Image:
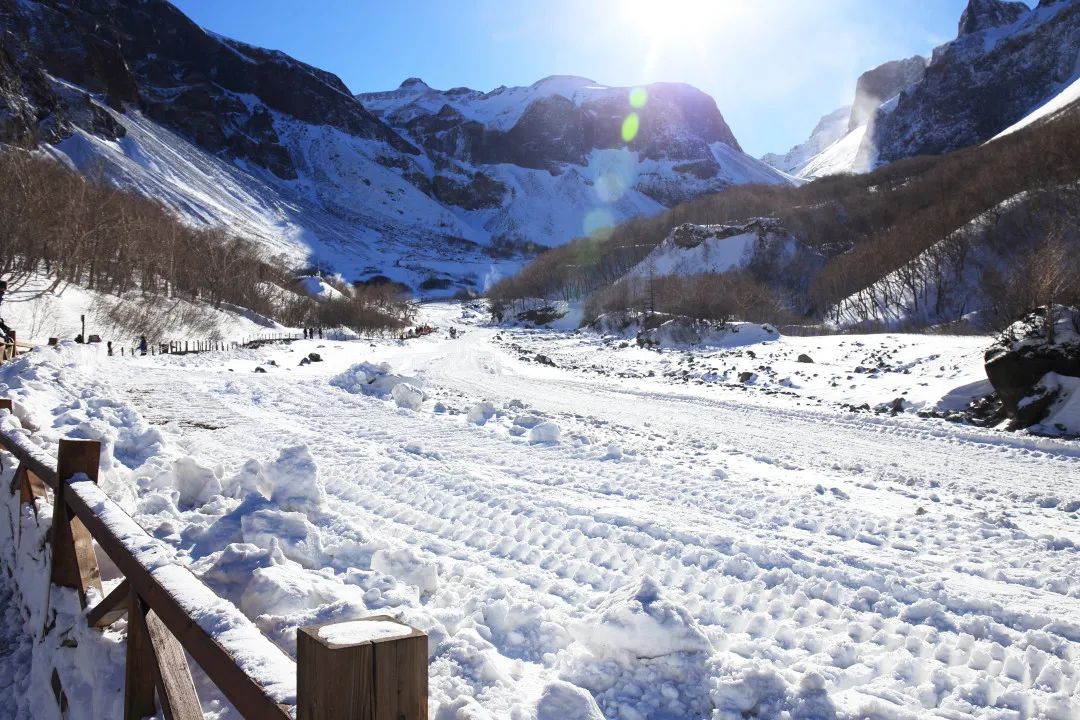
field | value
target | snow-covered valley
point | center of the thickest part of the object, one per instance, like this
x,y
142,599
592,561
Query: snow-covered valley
x,y
576,520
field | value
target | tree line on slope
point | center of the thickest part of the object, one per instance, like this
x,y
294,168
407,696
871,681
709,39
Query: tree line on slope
x,y
863,228
56,223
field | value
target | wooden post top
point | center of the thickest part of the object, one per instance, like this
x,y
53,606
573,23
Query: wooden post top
x,y
5,404
350,633
375,668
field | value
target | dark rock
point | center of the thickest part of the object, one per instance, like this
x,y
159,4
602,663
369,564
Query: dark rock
x,y
544,360
1023,354
984,14
804,358
305,361
260,369
314,357
746,376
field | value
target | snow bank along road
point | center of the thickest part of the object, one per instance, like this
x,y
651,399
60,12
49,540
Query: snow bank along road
x,y
595,542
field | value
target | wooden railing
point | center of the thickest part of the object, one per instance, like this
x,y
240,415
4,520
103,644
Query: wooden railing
x,y
341,671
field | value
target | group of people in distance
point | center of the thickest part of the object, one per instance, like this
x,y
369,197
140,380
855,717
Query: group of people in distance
x,y
309,333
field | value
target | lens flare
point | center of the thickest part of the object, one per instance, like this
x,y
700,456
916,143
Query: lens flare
x,y
638,98
598,223
630,127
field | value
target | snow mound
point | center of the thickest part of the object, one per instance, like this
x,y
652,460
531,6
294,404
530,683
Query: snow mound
x,y
1063,412
639,621
315,287
481,412
407,566
563,701
291,481
408,396
195,482
376,380
545,432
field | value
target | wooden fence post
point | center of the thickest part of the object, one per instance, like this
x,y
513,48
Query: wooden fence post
x,y
370,669
5,404
74,563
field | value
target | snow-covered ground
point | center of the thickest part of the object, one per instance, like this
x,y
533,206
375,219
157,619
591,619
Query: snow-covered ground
x,y
606,531
39,309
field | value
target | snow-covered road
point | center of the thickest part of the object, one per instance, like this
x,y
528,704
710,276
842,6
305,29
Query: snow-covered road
x,y
681,550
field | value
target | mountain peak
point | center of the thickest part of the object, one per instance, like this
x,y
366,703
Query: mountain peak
x,y
571,81
415,83
983,14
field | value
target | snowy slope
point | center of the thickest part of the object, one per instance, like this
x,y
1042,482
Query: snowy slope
x,y
745,550
839,157
829,129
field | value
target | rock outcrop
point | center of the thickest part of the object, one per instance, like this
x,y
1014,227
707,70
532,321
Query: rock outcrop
x,y
1027,361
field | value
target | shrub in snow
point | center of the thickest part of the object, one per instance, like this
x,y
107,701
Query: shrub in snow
x,y
563,701
481,412
545,432
407,566
195,482
407,396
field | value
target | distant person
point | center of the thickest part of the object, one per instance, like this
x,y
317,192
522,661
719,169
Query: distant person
x,y
307,333
320,332
142,344
109,346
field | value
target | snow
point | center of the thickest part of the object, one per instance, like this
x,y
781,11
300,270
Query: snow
x,y
839,157
362,631
315,287
829,129
39,311
692,547
1059,102
713,255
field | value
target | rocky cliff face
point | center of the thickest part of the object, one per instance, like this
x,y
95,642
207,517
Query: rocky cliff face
x,y
883,83
1007,61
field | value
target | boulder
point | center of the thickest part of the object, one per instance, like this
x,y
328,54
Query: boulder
x,y
1026,352
804,358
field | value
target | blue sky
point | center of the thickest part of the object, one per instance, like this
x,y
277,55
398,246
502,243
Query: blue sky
x,y
774,66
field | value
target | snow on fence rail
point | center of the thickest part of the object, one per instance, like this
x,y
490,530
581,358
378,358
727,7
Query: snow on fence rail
x,y
371,668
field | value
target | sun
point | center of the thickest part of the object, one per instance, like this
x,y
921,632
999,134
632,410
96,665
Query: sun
x,y
663,20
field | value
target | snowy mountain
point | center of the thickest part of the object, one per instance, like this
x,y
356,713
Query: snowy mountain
x,y
829,129
437,192
835,144
1007,62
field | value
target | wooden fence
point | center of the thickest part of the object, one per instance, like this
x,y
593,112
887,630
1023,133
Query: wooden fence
x,y
341,672
9,350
